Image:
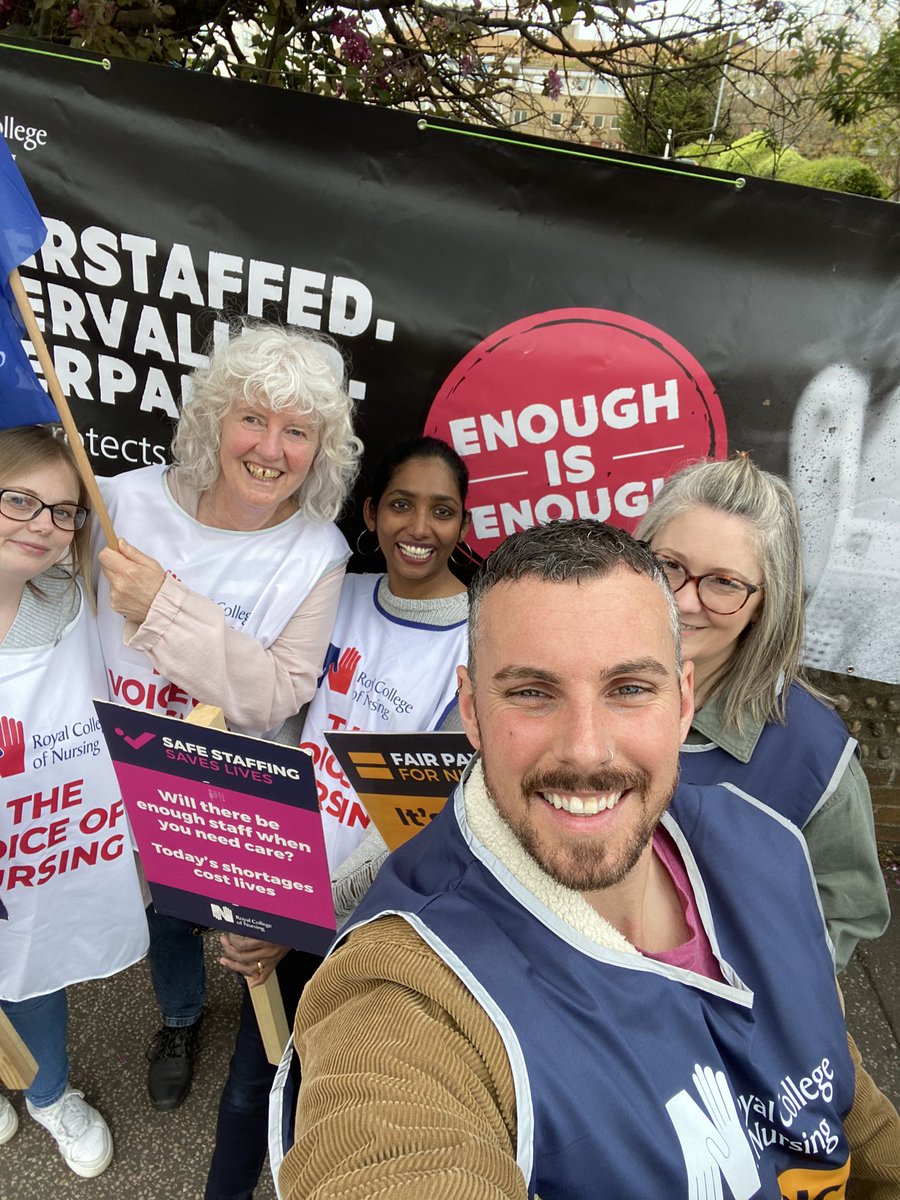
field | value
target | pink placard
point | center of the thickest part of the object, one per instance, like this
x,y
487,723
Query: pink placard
x,y
227,826
229,846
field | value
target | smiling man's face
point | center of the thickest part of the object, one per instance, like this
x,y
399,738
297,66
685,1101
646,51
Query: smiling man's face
x,y
565,674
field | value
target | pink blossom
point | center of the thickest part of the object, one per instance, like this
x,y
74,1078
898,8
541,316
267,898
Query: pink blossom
x,y
355,49
343,25
553,84
76,16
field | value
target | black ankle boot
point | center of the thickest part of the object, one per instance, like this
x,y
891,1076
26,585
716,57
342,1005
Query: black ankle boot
x,y
171,1058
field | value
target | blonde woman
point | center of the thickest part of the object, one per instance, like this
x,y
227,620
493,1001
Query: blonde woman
x,y
728,537
70,903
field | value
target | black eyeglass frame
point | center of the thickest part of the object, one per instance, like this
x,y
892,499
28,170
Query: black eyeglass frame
x,y
80,515
750,589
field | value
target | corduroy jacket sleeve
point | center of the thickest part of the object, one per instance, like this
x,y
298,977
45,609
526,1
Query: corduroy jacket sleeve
x,y
407,1090
873,1132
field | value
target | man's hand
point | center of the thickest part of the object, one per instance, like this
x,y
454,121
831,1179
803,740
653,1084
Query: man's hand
x,y
133,578
253,959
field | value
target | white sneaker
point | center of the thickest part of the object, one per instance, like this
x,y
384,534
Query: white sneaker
x,y
9,1121
81,1133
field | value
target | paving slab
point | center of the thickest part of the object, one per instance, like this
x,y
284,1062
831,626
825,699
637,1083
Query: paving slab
x,y
158,1156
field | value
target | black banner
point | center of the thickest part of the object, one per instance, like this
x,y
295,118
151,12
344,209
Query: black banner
x,y
577,324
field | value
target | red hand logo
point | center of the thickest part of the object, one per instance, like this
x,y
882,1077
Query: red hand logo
x,y
12,747
340,674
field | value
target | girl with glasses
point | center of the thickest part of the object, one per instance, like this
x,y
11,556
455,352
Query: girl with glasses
x,y
728,537
70,903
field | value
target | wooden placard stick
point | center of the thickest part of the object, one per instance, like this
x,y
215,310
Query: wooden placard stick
x,y
266,997
271,1018
67,421
17,1065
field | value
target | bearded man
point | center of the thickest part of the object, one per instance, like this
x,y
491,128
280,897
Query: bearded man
x,y
582,980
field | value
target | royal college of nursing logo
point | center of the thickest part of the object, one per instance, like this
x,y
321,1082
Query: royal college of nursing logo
x,y
717,1148
712,1138
343,674
340,668
12,747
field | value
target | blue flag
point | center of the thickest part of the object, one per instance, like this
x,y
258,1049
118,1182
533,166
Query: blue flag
x,y
22,399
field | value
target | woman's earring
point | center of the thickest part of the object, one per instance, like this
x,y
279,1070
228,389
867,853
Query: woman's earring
x,y
469,557
359,538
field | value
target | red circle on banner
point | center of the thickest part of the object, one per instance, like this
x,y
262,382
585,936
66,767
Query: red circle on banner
x,y
574,412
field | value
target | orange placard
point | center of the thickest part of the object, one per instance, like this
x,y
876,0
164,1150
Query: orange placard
x,y
403,779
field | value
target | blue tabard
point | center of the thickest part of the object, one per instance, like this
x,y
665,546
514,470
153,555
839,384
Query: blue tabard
x,y
635,1079
794,767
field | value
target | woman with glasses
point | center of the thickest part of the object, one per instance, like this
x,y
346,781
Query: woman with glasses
x,y
728,537
70,903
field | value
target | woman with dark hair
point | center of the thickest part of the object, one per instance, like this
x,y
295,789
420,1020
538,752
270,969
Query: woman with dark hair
x,y
70,902
398,639
232,596
728,537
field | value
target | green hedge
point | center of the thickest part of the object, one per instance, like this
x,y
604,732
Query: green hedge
x,y
755,154
842,175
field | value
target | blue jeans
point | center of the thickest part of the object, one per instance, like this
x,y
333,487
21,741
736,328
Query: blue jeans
x,y
177,969
243,1124
42,1024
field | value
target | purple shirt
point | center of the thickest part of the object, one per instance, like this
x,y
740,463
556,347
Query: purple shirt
x,y
696,953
